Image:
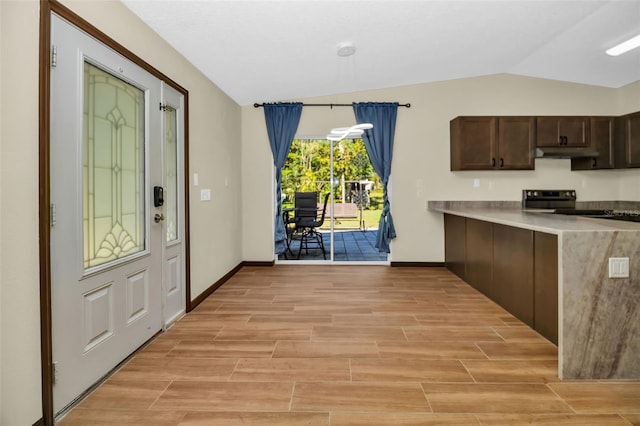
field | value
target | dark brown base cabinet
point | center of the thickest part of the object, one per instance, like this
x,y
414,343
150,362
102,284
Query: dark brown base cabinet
x,y
479,248
513,271
517,268
545,274
454,244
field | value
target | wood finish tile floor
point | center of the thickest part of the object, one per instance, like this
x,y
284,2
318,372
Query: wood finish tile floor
x,y
350,345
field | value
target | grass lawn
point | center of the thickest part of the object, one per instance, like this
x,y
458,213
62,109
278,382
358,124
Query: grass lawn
x,y
371,219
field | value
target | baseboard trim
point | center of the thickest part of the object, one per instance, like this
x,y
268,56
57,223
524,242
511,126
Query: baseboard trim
x,y
195,302
258,263
202,296
418,264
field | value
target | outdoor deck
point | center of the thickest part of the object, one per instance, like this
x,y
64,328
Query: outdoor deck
x,y
350,246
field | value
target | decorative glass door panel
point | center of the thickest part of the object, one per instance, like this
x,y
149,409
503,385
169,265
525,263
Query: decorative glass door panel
x,y
171,166
113,187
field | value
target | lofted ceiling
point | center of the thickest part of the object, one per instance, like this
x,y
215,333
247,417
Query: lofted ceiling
x,y
268,50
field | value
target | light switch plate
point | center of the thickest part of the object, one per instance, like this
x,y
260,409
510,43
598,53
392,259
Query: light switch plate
x,y
618,267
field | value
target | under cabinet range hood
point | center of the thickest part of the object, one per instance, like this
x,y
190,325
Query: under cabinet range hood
x,y
565,152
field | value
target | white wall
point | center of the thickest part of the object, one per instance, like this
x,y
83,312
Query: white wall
x,y
19,304
420,170
214,153
629,98
2,38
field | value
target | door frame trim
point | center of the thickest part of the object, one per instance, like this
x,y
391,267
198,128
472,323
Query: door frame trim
x,y
47,7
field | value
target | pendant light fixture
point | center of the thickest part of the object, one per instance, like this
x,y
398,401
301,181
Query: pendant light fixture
x,y
352,132
346,49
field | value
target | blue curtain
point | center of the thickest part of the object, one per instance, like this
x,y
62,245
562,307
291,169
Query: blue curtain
x,y
379,144
282,122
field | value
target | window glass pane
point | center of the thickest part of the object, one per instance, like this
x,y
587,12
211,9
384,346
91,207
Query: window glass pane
x,y
113,168
171,192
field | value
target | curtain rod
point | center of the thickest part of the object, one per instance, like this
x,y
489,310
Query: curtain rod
x,y
257,105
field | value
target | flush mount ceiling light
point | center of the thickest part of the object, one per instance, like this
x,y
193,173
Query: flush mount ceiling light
x,y
346,49
625,46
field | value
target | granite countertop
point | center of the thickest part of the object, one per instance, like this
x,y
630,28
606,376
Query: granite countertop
x,y
511,214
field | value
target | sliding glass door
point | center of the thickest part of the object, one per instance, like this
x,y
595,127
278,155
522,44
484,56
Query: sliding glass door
x,y
342,173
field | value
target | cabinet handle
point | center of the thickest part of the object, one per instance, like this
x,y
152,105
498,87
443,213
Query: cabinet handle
x,y
566,140
502,162
493,162
595,162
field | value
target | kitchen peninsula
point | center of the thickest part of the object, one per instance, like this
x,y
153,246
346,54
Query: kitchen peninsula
x,y
598,318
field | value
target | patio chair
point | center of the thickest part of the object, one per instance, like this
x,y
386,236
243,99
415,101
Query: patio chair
x,y
305,208
307,219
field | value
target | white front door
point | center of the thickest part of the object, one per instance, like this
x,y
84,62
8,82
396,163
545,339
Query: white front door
x,y
106,247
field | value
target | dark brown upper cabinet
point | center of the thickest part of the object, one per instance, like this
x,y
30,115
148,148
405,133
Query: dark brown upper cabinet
x,y
628,141
562,131
602,140
492,143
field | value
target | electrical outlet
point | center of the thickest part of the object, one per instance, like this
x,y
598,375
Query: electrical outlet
x,y
476,183
618,267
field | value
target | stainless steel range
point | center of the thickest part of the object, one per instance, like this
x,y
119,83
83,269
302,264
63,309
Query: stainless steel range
x,y
563,202
549,199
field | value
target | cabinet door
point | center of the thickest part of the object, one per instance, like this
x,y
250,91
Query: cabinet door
x,y
602,139
454,244
479,272
513,271
562,131
546,285
575,131
516,143
473,141
548,131
628,141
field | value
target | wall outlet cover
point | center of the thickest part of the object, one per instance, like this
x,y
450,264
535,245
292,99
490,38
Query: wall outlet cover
x,y
618,267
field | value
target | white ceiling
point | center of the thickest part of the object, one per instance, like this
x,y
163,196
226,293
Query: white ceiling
x,y
267,50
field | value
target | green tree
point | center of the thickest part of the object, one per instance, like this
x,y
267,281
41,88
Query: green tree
x,y
308,166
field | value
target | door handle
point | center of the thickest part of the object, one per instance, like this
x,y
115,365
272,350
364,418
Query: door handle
x,y
159,217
